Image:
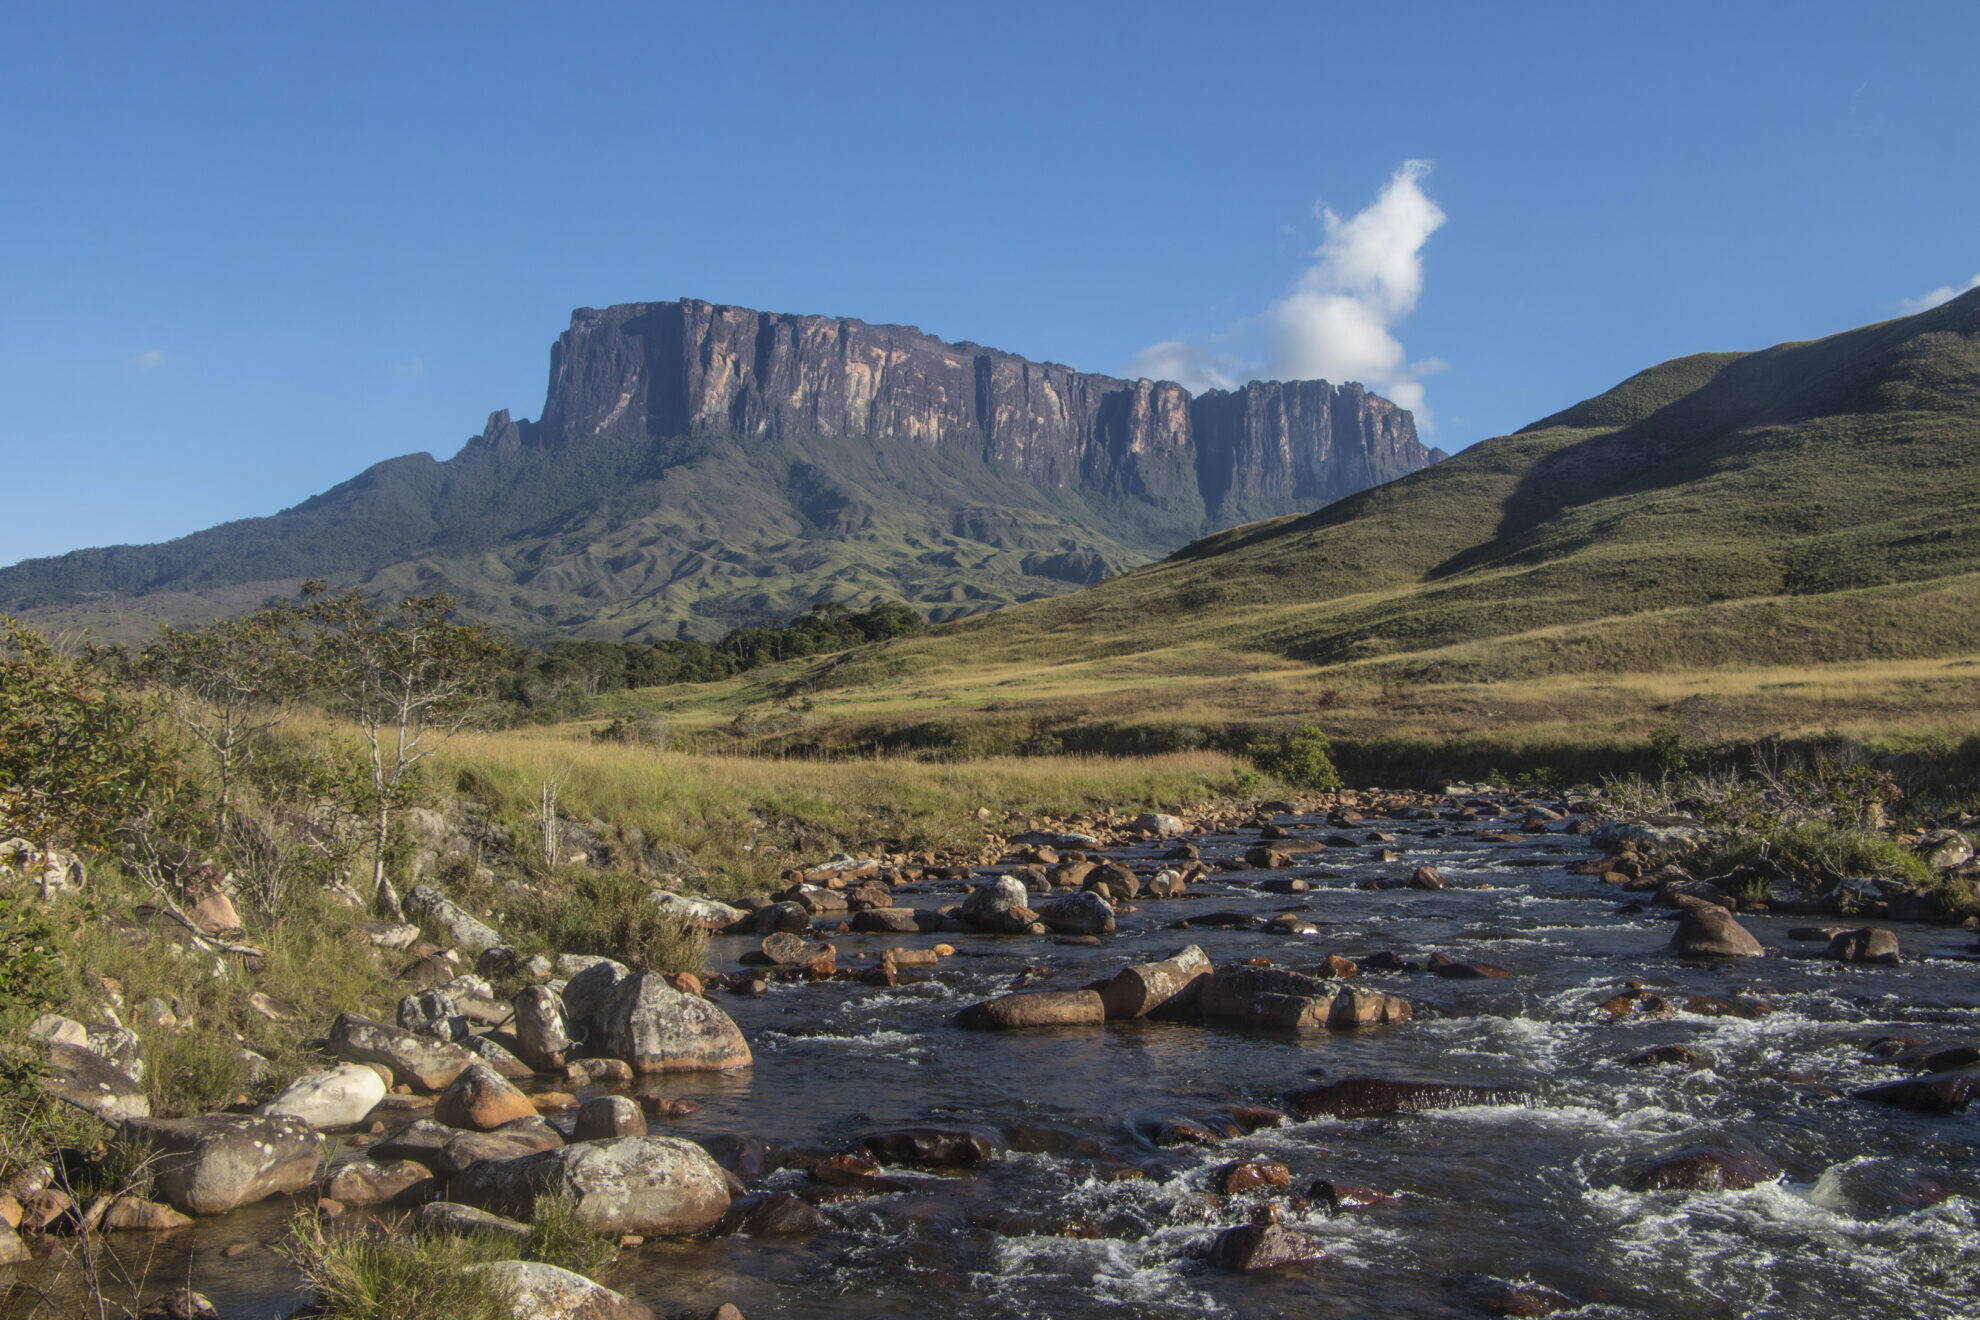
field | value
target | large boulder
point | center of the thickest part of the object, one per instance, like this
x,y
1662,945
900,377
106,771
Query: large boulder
x,y
481,1100
656,1028
1711,932
1083,913
421,1062
1155,822
1166,987
1279,997
546,1292
337,1097
496,1050
1035,1008
654,1186
90,1082
219,1162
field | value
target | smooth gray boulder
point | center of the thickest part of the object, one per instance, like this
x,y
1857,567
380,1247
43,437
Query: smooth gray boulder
x,y
218,1162
338,1097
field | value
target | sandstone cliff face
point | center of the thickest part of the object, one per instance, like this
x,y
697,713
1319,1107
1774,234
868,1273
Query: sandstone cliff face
x,y
695,368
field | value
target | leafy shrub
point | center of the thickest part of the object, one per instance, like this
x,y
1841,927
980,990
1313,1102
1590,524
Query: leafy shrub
x,y
1299,759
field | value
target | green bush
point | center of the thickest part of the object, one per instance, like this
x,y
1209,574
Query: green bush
x,y
1299,759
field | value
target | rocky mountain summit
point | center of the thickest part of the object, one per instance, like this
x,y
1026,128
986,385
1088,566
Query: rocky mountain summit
x,y
698,466
692,368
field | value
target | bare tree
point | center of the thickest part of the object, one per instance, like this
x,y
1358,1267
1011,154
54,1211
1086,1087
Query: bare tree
x,y
230,681
411,679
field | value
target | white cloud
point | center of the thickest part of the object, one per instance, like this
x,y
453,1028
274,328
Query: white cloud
x,y
1945,293
147,360
1189,365
1338,321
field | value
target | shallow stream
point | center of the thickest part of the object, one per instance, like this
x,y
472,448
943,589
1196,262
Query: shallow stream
x,y
1875,1214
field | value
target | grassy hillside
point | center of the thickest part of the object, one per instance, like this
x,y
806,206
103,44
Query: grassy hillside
x,y
1792,529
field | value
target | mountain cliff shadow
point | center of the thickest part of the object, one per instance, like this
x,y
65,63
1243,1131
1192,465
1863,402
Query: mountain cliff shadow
x,y
1683,420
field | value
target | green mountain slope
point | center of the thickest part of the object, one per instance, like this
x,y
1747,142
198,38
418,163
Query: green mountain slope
x,y
1824,492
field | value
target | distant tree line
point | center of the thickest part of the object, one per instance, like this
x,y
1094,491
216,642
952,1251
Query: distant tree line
x,y
547,678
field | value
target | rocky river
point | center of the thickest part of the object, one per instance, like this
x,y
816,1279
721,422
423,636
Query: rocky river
x,y
1112,1144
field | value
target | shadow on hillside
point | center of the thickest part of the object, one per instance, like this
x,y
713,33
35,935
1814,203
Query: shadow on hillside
x,y
1691,436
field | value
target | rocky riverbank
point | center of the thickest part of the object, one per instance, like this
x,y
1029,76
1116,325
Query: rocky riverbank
x,y
1470,1053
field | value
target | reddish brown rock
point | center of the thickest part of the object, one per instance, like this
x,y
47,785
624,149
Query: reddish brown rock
x,y
1039,1008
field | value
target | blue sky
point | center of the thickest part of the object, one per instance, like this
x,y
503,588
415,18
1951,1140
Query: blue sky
x,y
250,250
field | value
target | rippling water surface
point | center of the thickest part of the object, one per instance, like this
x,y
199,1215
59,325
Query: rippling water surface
x,y
1874,1216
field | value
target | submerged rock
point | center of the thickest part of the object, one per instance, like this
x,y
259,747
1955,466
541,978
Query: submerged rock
x,y
1871,945
1375,1097
1264,1246
1036,1008
1714,1167
932,1146
1934,1093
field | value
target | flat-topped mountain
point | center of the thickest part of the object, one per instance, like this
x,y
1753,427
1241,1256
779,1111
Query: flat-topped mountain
x,y
698,466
